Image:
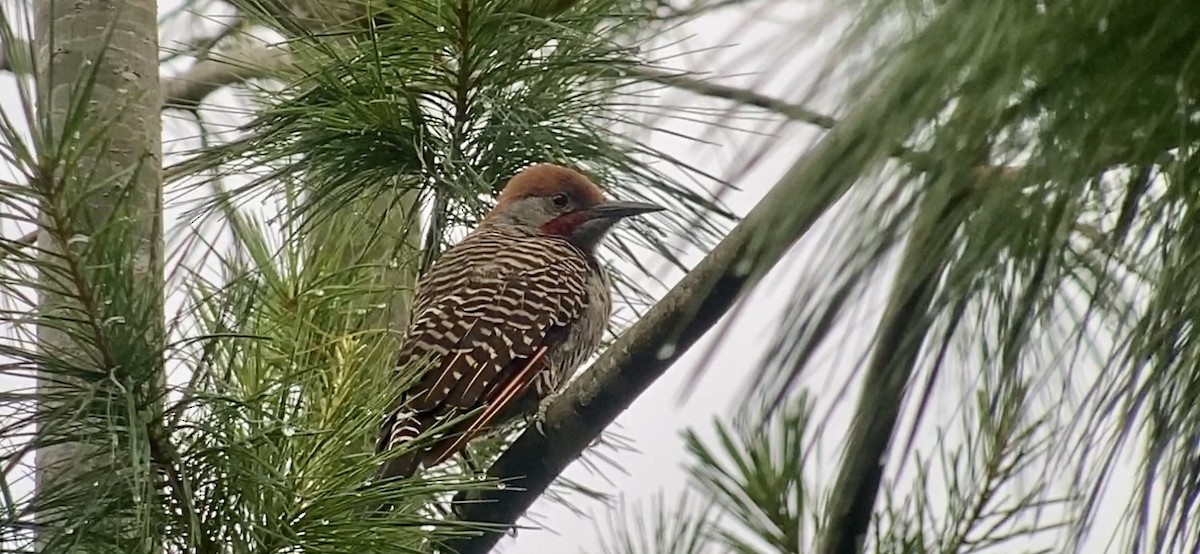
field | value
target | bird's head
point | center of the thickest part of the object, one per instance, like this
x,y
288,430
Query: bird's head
x,y
562,202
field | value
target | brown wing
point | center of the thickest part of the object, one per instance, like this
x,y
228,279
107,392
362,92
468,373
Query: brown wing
x,y
488,340
512,388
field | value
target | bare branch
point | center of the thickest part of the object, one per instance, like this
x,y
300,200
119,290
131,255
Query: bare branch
x,y
252,61
748,97
188,89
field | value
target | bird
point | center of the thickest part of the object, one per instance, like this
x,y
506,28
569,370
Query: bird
x,y
503,318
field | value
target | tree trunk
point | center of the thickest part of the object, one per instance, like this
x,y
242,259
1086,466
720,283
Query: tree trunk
x,y
100,236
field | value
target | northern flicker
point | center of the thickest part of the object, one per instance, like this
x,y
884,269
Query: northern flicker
x,y
503,318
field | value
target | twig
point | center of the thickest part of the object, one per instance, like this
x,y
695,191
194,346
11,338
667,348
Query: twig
x,y
200,47
748,97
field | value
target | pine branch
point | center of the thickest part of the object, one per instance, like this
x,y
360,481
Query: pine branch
x,y
644,352
900,337
188,89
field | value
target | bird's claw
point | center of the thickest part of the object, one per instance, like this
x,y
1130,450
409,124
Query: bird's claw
x,y
539,418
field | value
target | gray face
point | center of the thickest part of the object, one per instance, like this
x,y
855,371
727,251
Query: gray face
x,y
536,211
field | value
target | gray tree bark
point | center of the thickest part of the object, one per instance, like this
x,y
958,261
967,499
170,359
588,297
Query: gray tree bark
x,y
99,96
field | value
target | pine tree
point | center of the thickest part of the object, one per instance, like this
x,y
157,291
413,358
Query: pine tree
x,y
1017,179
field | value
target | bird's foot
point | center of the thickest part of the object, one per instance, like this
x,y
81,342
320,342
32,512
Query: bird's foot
x,y
539,418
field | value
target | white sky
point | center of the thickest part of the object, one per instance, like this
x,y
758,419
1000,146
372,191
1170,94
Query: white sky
x,y
767,44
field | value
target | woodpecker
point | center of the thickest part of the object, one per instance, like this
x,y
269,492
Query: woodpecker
x,y
506,316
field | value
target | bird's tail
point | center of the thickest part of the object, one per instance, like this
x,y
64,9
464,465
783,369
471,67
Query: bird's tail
x,y
400,429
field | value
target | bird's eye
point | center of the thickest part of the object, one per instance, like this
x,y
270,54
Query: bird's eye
x,y
560,200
